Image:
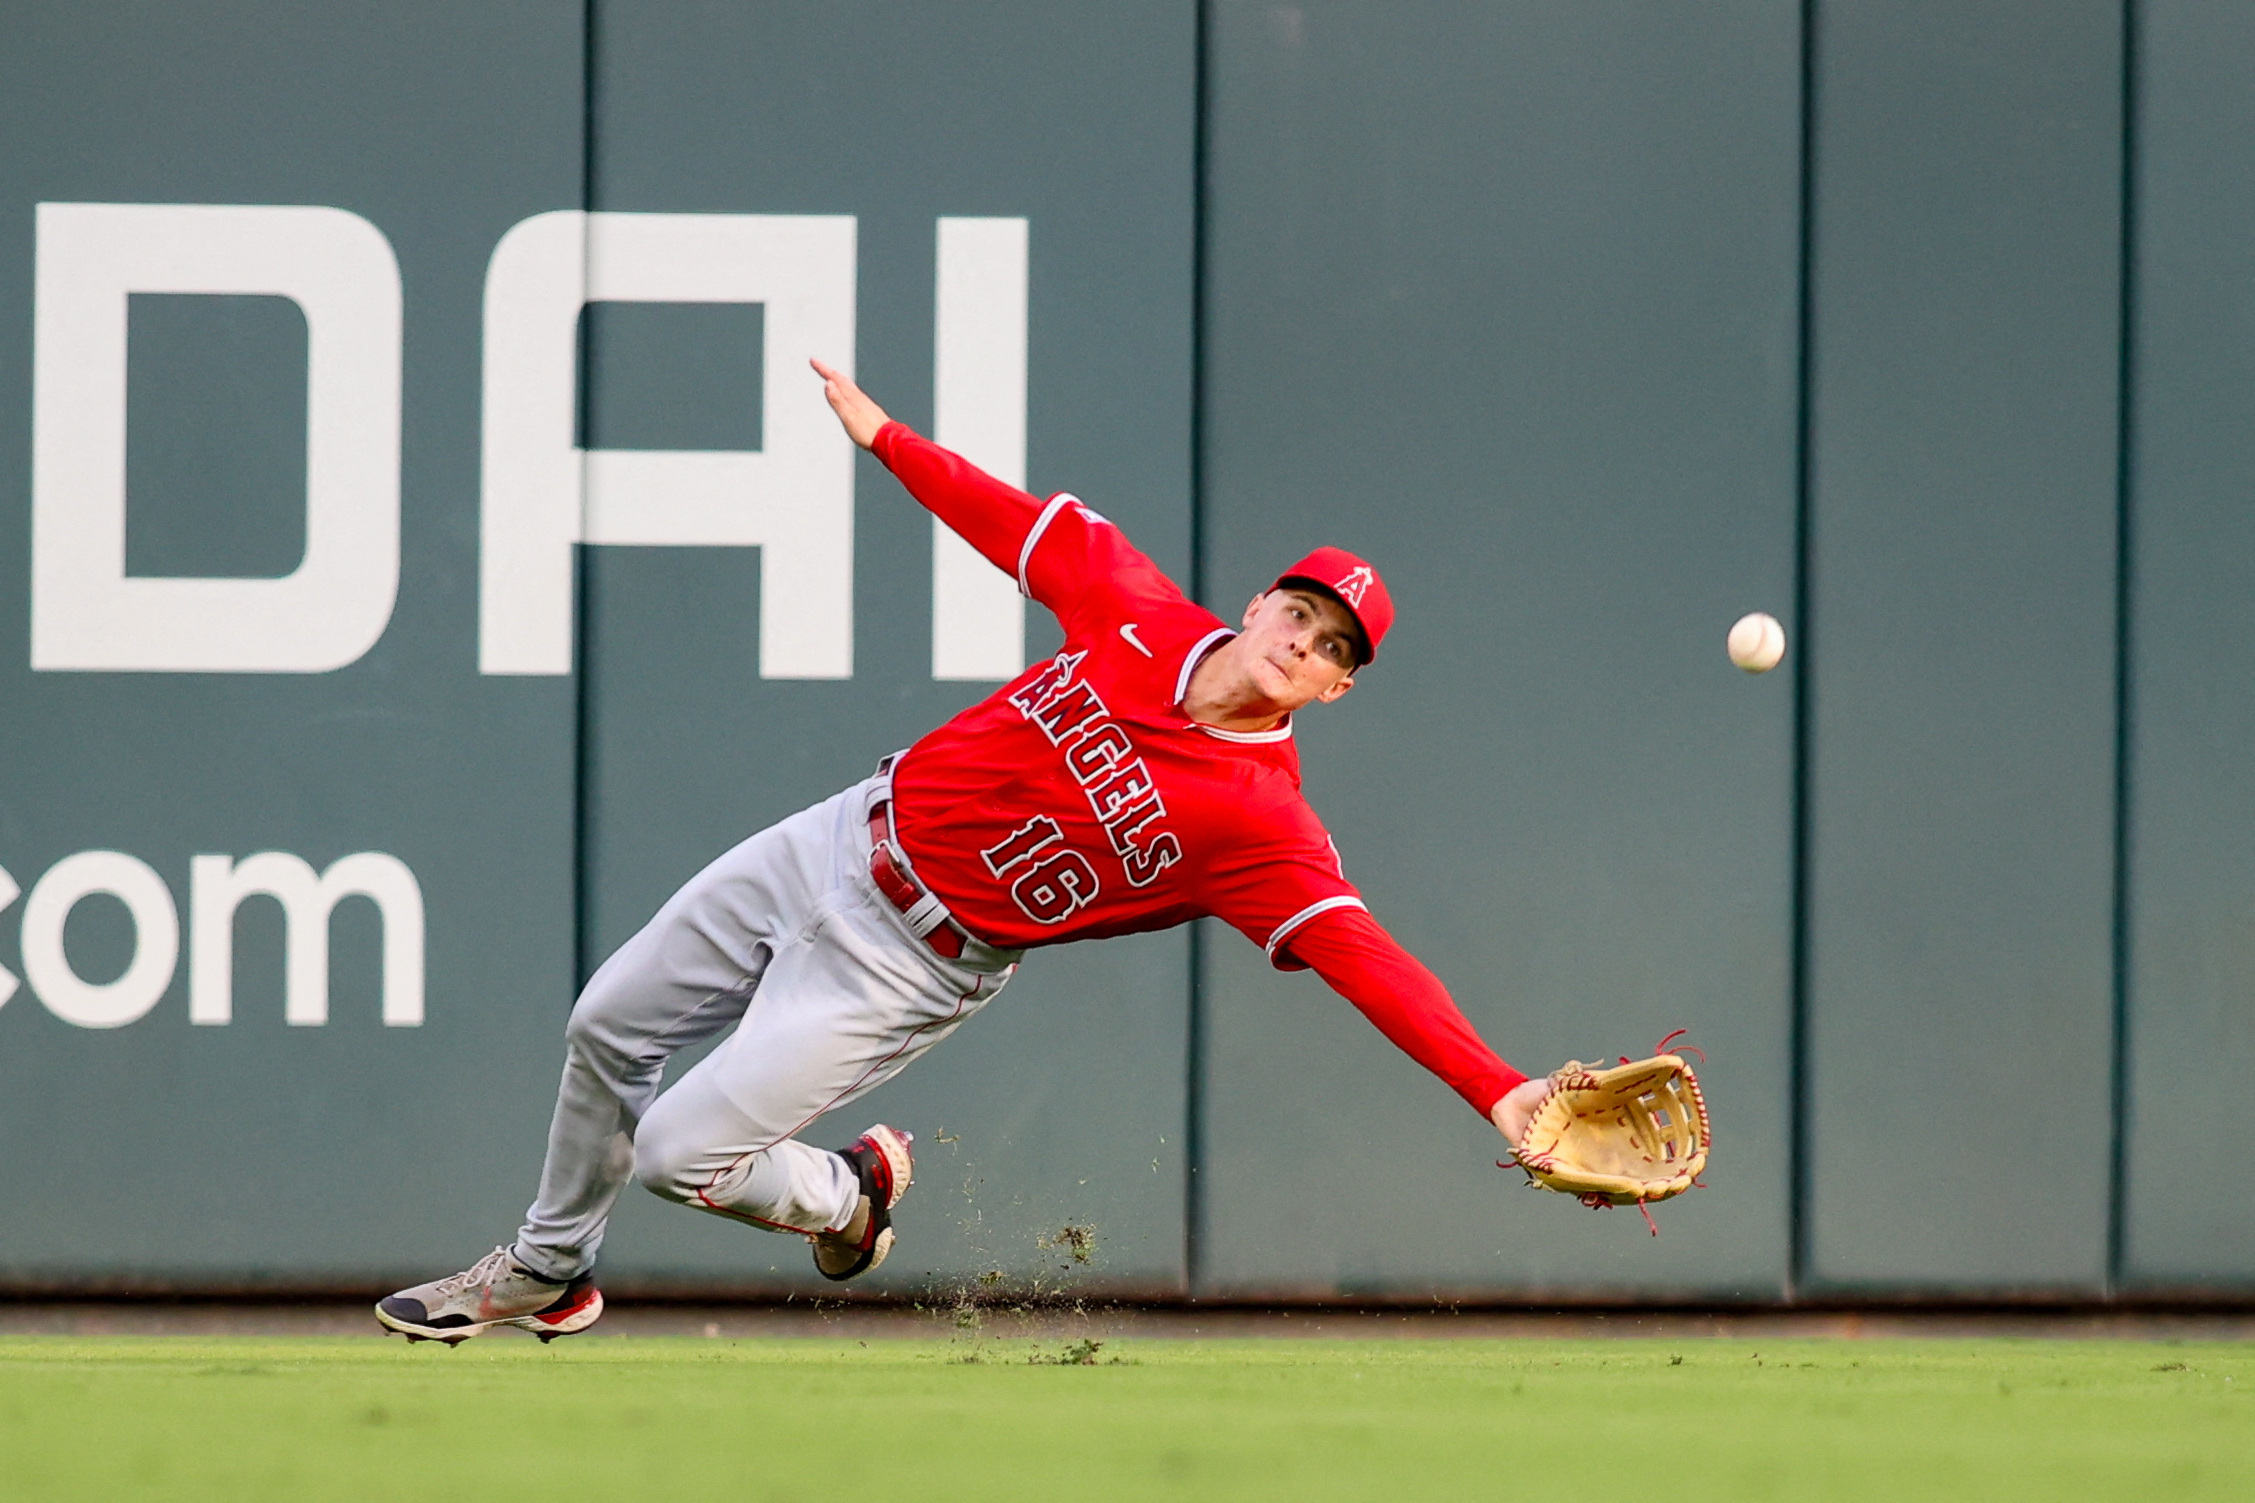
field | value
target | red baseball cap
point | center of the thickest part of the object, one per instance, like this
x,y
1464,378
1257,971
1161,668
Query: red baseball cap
x,y
1354,584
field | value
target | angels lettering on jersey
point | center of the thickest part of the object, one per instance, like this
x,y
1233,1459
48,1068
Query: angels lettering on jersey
x,y
1122,795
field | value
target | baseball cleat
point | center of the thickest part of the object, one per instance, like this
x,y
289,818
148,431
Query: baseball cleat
x,y
497,1290
881,1160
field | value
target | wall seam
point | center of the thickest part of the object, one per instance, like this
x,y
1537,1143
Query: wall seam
x,y
1797,1066
1194,1059
583,581
2124,685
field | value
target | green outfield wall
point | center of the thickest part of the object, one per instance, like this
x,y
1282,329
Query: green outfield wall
x,y
421,549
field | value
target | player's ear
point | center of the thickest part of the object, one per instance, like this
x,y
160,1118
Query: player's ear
x,y
1336,692
1253,610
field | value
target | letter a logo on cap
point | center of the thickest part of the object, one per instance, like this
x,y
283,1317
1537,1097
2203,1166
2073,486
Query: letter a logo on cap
x,y
1355,586
1358,587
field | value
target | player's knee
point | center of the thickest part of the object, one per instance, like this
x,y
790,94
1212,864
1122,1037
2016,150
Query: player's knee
x,y
589,1031
668,1159
661,1157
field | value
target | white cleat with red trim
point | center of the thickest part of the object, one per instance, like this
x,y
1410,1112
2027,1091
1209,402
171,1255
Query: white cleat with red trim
x,y
497,1290
881,1160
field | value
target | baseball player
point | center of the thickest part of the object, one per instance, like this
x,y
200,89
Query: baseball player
x,y
1142,777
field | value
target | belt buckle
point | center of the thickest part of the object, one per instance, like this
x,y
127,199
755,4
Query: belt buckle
x,y
910,889
886,860
884,865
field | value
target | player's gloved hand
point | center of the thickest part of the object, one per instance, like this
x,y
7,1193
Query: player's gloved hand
x,y
1513,1111
862,417
1618,1136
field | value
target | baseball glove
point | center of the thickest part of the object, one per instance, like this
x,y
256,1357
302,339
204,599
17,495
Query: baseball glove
x,y
1627,1135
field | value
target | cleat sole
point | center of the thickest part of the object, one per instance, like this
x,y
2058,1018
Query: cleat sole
x,y
547,1327
564,1322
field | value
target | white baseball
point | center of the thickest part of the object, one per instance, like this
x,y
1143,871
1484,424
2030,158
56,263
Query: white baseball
x,y
1757,642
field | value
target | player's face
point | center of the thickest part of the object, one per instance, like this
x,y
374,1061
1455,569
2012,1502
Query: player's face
x,y
1299,647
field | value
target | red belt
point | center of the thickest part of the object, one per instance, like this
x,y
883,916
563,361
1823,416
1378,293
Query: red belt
x,y
902,890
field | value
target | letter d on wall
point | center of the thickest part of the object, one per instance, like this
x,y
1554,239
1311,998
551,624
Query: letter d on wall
x,y
86,614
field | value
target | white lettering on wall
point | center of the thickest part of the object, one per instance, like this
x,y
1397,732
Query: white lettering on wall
x,y
156,939
541,493
793,499
86,614
218,885
9,892
979,411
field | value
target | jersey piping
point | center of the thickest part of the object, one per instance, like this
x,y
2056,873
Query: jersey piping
x,y
1190,659
1278,733
1313,910
1057,503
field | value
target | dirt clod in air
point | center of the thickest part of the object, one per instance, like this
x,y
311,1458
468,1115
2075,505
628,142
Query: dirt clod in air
x,y
1025,1284
1079,1242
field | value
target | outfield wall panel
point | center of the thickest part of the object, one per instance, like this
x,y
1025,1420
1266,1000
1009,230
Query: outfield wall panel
x,y
162,1152
1964,304
1506,299
2192,810
1064,1102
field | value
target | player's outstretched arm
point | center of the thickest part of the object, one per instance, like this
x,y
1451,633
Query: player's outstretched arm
x,y
1360,961
863,419
1003,522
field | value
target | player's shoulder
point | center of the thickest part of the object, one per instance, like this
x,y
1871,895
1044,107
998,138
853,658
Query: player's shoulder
x,y
1070,533
1118,572
1131,601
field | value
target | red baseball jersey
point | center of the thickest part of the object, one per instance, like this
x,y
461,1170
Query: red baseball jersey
x,y
1082,801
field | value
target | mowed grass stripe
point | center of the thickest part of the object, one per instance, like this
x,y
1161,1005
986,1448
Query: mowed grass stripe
x,y
687,1419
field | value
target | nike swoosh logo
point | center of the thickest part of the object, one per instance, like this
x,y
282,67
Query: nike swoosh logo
x,y
1127,630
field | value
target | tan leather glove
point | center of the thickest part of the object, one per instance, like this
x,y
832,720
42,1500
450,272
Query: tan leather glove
x,y
1627,1135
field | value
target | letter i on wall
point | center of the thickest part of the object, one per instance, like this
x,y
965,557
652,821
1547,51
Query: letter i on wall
x,y
979,411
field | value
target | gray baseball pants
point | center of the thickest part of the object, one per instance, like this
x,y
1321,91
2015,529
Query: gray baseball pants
x,y
787,938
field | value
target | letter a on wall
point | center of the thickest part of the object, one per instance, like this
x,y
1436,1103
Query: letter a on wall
x,y
793,499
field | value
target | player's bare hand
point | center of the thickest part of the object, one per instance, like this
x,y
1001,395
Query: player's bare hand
x,y
862,417
1517,1108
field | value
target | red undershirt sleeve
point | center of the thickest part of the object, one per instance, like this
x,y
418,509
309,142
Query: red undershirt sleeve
x,y
1060,553
1363,963
989,515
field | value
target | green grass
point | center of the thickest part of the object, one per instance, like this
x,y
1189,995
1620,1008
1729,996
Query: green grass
x,y
912,1422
